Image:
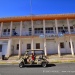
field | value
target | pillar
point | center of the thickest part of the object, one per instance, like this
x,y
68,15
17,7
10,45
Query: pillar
x,y
72,49
9,48
44,27
32,27
21,28
58,43
56,26
1,29
20,48
45,50
32,44
11,29
68,26
54,30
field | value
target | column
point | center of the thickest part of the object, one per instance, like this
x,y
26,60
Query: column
x,y
1,29
44,27
20,47
54,29
32,27
68,26
32,44
45,50
21,28
59,53
9,48
11,29
71,43
56,26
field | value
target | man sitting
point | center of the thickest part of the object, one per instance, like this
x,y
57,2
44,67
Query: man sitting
x,y
32,58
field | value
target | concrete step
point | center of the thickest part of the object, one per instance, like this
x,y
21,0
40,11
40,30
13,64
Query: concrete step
x,y
13,58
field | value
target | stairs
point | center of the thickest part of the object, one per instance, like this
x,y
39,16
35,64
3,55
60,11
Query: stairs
x,y
14,57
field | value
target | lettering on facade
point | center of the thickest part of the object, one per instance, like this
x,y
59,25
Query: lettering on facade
x,y
50,39
51,36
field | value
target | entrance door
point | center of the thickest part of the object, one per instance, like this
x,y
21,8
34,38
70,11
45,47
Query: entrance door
x,y
50,47
4,49
0,50
62,48
12,49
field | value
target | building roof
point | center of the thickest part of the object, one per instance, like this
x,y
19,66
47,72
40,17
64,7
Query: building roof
x,y
38,17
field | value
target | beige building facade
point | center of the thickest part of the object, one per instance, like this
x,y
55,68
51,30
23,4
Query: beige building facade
x,y
55,34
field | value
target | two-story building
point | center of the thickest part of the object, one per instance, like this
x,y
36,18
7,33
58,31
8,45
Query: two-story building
x,y
55,34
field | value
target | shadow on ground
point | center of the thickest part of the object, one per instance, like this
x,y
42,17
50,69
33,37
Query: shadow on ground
x,y
37,66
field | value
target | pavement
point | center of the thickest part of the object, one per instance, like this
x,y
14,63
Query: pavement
x,y
52,69
51,59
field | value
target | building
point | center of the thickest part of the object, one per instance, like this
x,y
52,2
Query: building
x,y
53,33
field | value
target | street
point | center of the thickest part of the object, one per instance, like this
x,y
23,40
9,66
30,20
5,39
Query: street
x,y
53,69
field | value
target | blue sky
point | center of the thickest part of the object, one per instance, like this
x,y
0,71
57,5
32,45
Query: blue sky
x,y
22,7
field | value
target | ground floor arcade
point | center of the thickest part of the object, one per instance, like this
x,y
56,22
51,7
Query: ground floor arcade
x,y
56,45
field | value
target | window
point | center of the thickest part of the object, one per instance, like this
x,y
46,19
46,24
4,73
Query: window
x,y
60,29
4,30
28,46
38,30
69,45
71,28
30,31
17,47
37,45
66,29
62,45
0,48
8,30
49,30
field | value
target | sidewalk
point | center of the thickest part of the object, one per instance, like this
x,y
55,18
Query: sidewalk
x,y
51,59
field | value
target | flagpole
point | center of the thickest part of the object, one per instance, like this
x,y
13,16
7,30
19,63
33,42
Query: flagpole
x,y
31,7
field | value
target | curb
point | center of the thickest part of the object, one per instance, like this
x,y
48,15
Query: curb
x,y
53,61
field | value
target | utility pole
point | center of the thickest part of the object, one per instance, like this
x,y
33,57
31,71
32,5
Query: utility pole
x,y
31,7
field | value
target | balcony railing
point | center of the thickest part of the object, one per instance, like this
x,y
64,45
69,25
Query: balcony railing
x,y
51,35
27,33
5,34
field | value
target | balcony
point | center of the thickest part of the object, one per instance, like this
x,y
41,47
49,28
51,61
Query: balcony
x,y
27,33
14,33
5,34
38,31
51,35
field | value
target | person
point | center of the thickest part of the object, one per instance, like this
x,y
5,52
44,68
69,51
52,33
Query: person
x,y
33,58
63,31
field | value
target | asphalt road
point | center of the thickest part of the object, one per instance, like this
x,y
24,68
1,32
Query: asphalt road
x,y
53,69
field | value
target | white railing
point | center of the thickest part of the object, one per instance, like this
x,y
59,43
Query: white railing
x,y
49,31
6,34
51,35
40,32
27,33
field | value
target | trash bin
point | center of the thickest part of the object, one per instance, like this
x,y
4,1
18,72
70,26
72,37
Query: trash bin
x,y
3,57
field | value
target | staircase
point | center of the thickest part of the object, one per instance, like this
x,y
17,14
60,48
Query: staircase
x,y
14,57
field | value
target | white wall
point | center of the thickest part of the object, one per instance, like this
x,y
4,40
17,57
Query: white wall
x,y
61,23
39,40
24,44
15,42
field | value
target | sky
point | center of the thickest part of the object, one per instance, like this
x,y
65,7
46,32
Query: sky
x,y
10,8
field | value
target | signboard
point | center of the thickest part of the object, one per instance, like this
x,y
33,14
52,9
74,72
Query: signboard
x,y
41,36
60,35
51,36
